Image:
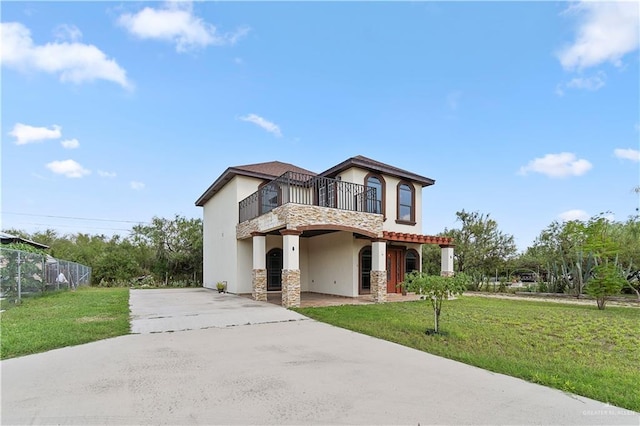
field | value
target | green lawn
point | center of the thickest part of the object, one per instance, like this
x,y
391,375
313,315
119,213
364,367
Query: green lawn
x,y
574,348
64,318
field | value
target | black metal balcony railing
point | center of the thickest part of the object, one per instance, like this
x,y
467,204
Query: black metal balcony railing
x,y
300,188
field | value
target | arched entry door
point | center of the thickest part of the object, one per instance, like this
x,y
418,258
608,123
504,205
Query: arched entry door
x,y
274,270
365,271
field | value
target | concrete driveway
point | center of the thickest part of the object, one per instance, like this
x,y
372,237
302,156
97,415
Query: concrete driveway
x,y
296,371
155,311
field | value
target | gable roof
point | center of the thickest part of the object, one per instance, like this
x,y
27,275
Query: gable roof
x,y
267,171
376,166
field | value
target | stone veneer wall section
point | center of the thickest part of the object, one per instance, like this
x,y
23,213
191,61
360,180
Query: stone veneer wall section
x,y
259,279
291,288
293,216
379,286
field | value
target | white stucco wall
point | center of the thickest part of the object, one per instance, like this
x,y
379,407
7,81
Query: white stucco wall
x,y
304,264
244,268
221,250
331,270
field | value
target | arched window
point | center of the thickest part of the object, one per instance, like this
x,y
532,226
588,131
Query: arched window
x,y
411,261
375,204
365,270
406,204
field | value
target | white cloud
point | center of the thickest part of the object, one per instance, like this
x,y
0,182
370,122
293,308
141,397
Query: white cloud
x,y
558,165
104,174
25,134
576,214
261,122
68,168
138,186
453,99
627,154
176,23
592,83
66,32
70,143
606,32
72,61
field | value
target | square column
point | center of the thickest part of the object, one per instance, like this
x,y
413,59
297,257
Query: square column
x,y
379,270
446,260
290,268
259,272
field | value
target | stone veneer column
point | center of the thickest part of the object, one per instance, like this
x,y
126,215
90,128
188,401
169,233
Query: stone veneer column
x,y
379,270
290,268
291,288
446,260
259,272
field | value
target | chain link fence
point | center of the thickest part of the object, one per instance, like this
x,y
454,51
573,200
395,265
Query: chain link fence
x,y
25,274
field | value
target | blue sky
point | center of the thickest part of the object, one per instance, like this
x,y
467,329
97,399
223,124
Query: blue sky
x,y
527,111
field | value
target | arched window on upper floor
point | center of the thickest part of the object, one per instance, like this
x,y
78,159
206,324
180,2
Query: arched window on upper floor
x,y
376,204
406,211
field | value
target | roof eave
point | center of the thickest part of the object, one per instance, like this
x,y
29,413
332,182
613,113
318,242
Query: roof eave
x,y
225,178
356,162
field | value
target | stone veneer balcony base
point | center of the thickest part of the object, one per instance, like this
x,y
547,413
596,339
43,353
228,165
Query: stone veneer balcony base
x,y
294,216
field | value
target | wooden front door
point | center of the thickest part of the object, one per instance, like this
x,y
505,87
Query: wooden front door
x,y
395,269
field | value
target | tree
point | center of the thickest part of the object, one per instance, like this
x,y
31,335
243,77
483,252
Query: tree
x,y
176,245
607,281
436,289
481,247
431,258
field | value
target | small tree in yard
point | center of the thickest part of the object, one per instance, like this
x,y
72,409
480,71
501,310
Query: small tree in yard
x,y
607,281
437,289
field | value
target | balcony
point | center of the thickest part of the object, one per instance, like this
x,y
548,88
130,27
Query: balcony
x,y
309,190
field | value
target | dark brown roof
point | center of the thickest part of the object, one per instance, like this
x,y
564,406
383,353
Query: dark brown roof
x,y
273,168
267,171
376,166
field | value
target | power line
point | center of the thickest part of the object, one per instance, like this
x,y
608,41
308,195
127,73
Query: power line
x,y
75,218
49,225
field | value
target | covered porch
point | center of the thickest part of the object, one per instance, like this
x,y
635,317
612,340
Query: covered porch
x,y
298,271
311,299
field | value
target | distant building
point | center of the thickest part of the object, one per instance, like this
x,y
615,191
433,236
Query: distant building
x,y
8,239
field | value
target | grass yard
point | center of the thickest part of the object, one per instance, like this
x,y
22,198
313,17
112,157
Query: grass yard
x,y
574,348
62,319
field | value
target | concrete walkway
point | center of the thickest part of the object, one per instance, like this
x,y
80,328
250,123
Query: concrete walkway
x,y
292,372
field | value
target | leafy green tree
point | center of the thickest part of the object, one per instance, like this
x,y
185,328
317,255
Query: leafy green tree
x,y
176,245
607,281
116,263
481,247
436,289
431,258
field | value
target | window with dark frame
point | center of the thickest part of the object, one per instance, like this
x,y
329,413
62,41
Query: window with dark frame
x,y
365,270
406,212
411,261
376,205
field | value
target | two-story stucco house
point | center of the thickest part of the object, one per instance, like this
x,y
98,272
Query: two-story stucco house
x,y
353,229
